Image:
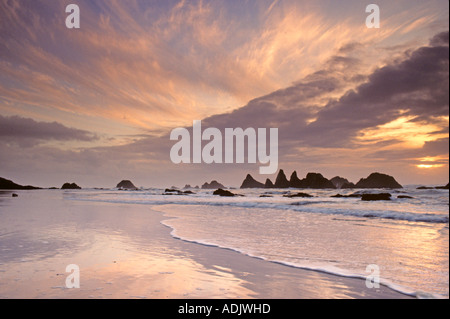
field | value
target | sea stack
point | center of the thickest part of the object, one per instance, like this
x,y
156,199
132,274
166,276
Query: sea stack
x,y
250,182
378,180
316,180
213,185
70,186
281,180
126,185
294,181
268,184
341,182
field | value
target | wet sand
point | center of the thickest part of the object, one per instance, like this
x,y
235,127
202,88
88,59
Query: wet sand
x,y
123,251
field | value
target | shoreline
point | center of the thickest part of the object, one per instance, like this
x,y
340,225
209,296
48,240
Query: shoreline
x,y
396,289
124,251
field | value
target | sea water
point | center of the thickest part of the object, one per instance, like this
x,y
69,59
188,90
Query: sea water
x,y
406,239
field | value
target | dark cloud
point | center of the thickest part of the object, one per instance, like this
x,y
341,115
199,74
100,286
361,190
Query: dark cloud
x,y
19,129
439,147
417,87
436,148
440,39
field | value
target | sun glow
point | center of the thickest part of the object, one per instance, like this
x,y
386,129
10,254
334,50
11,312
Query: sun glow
x,y
429,165
409,133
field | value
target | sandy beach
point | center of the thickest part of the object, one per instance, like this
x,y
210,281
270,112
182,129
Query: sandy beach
x,y
123,251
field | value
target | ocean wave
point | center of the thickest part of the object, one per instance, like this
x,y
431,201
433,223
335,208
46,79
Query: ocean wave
x,y
325,268
307,206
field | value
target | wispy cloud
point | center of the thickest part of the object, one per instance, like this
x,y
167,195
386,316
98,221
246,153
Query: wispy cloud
x,y
335,89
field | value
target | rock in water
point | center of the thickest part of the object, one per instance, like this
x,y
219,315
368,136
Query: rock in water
x,y
222,192
172,191
442,187
281,180
70,186
126,184
378,180
268,184
294,181
347,196
250,182
340,182
380,196
298,195
212,185
316,180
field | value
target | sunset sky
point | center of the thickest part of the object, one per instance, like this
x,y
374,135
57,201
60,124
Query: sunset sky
x,y
96,105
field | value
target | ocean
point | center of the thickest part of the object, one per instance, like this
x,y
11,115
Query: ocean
x,y
406,240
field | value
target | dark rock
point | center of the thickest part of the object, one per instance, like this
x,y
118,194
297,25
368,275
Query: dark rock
x,y
281,180
172,191
187,186
15,195
425,187
347,196
380,196
348,185
404,196
298,195
340,182
378,180
250,182
212,185
126,184
70,186
264,195
7,184
268,184
222,192
294,181
442,187
316,180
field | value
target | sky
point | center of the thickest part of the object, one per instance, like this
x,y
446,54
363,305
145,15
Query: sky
x,y
96,105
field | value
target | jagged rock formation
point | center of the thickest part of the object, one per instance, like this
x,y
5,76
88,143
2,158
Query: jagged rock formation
x,y
250,182
340,182
212,185
294,181
268,184
281,180
316,180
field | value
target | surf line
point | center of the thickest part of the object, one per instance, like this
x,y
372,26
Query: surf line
x,y
225,149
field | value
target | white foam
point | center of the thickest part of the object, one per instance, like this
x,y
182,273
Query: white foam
x,y
329,269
